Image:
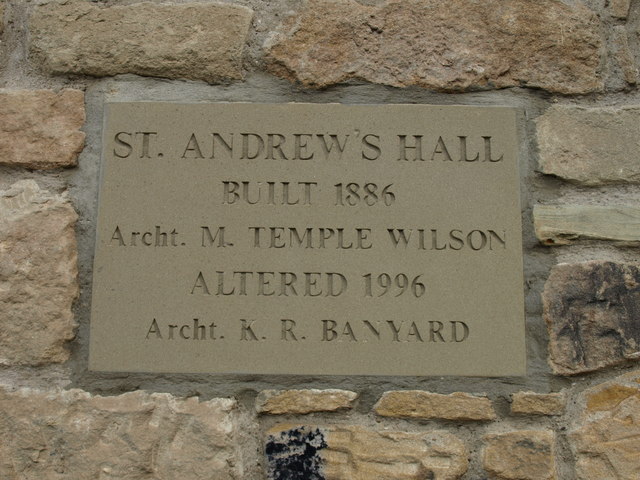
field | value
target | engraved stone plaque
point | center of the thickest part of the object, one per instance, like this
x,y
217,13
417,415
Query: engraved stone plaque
x,y
309,239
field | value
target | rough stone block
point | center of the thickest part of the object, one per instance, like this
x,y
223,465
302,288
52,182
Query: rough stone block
x,y
563,224
278,402
619,8
41,128
521,455
531,403
199,41
357,453
592,311
590,146
606,443
58,435
622,55
38,275
420,404
446,46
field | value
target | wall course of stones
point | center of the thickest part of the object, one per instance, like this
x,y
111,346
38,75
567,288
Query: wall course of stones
x,y
571,70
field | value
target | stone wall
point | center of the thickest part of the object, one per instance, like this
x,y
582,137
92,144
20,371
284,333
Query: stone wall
x,y
571,69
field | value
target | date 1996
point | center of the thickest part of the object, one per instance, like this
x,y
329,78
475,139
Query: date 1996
x,y
383,284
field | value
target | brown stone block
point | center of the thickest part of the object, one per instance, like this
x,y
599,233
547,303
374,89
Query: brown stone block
x,y
531,403
346,452
521,455
279,402
591,146
621,53
420,404
592,315
41,128
607,441
448,46
138,436
38,275
199,41
619,8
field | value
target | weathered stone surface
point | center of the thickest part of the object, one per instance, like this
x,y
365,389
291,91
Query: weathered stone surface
x,y
38,275
592,311
446,46
521,455
344,452
420,404
200,41
563,224
619,8
277,402
41,128
72,435
607,442
621,52
590,146
531,403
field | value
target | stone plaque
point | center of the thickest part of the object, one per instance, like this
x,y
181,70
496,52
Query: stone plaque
x,y
309,239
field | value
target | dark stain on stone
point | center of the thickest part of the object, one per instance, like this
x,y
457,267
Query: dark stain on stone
x,y
295,454
593,308
533,446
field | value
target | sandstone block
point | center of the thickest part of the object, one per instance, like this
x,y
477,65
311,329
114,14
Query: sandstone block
x,y
446,46
199,41
591,311
420,404
138,436
619,8
563,224
278,402
521,455
345,452
41,128
622,55
590,146
607,442
38,275
531,403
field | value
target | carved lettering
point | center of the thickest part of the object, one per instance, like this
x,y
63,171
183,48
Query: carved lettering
x,y
193,330
454,239
267,284
158,237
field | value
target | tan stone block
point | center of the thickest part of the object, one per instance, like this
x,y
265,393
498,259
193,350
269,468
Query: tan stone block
x,y
590,146
345,452
619,8
138,436
41,128
591,314
420,404
531,403
609,397
521,455
278,402
606,442
564,224
446,46
38,275
199,41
